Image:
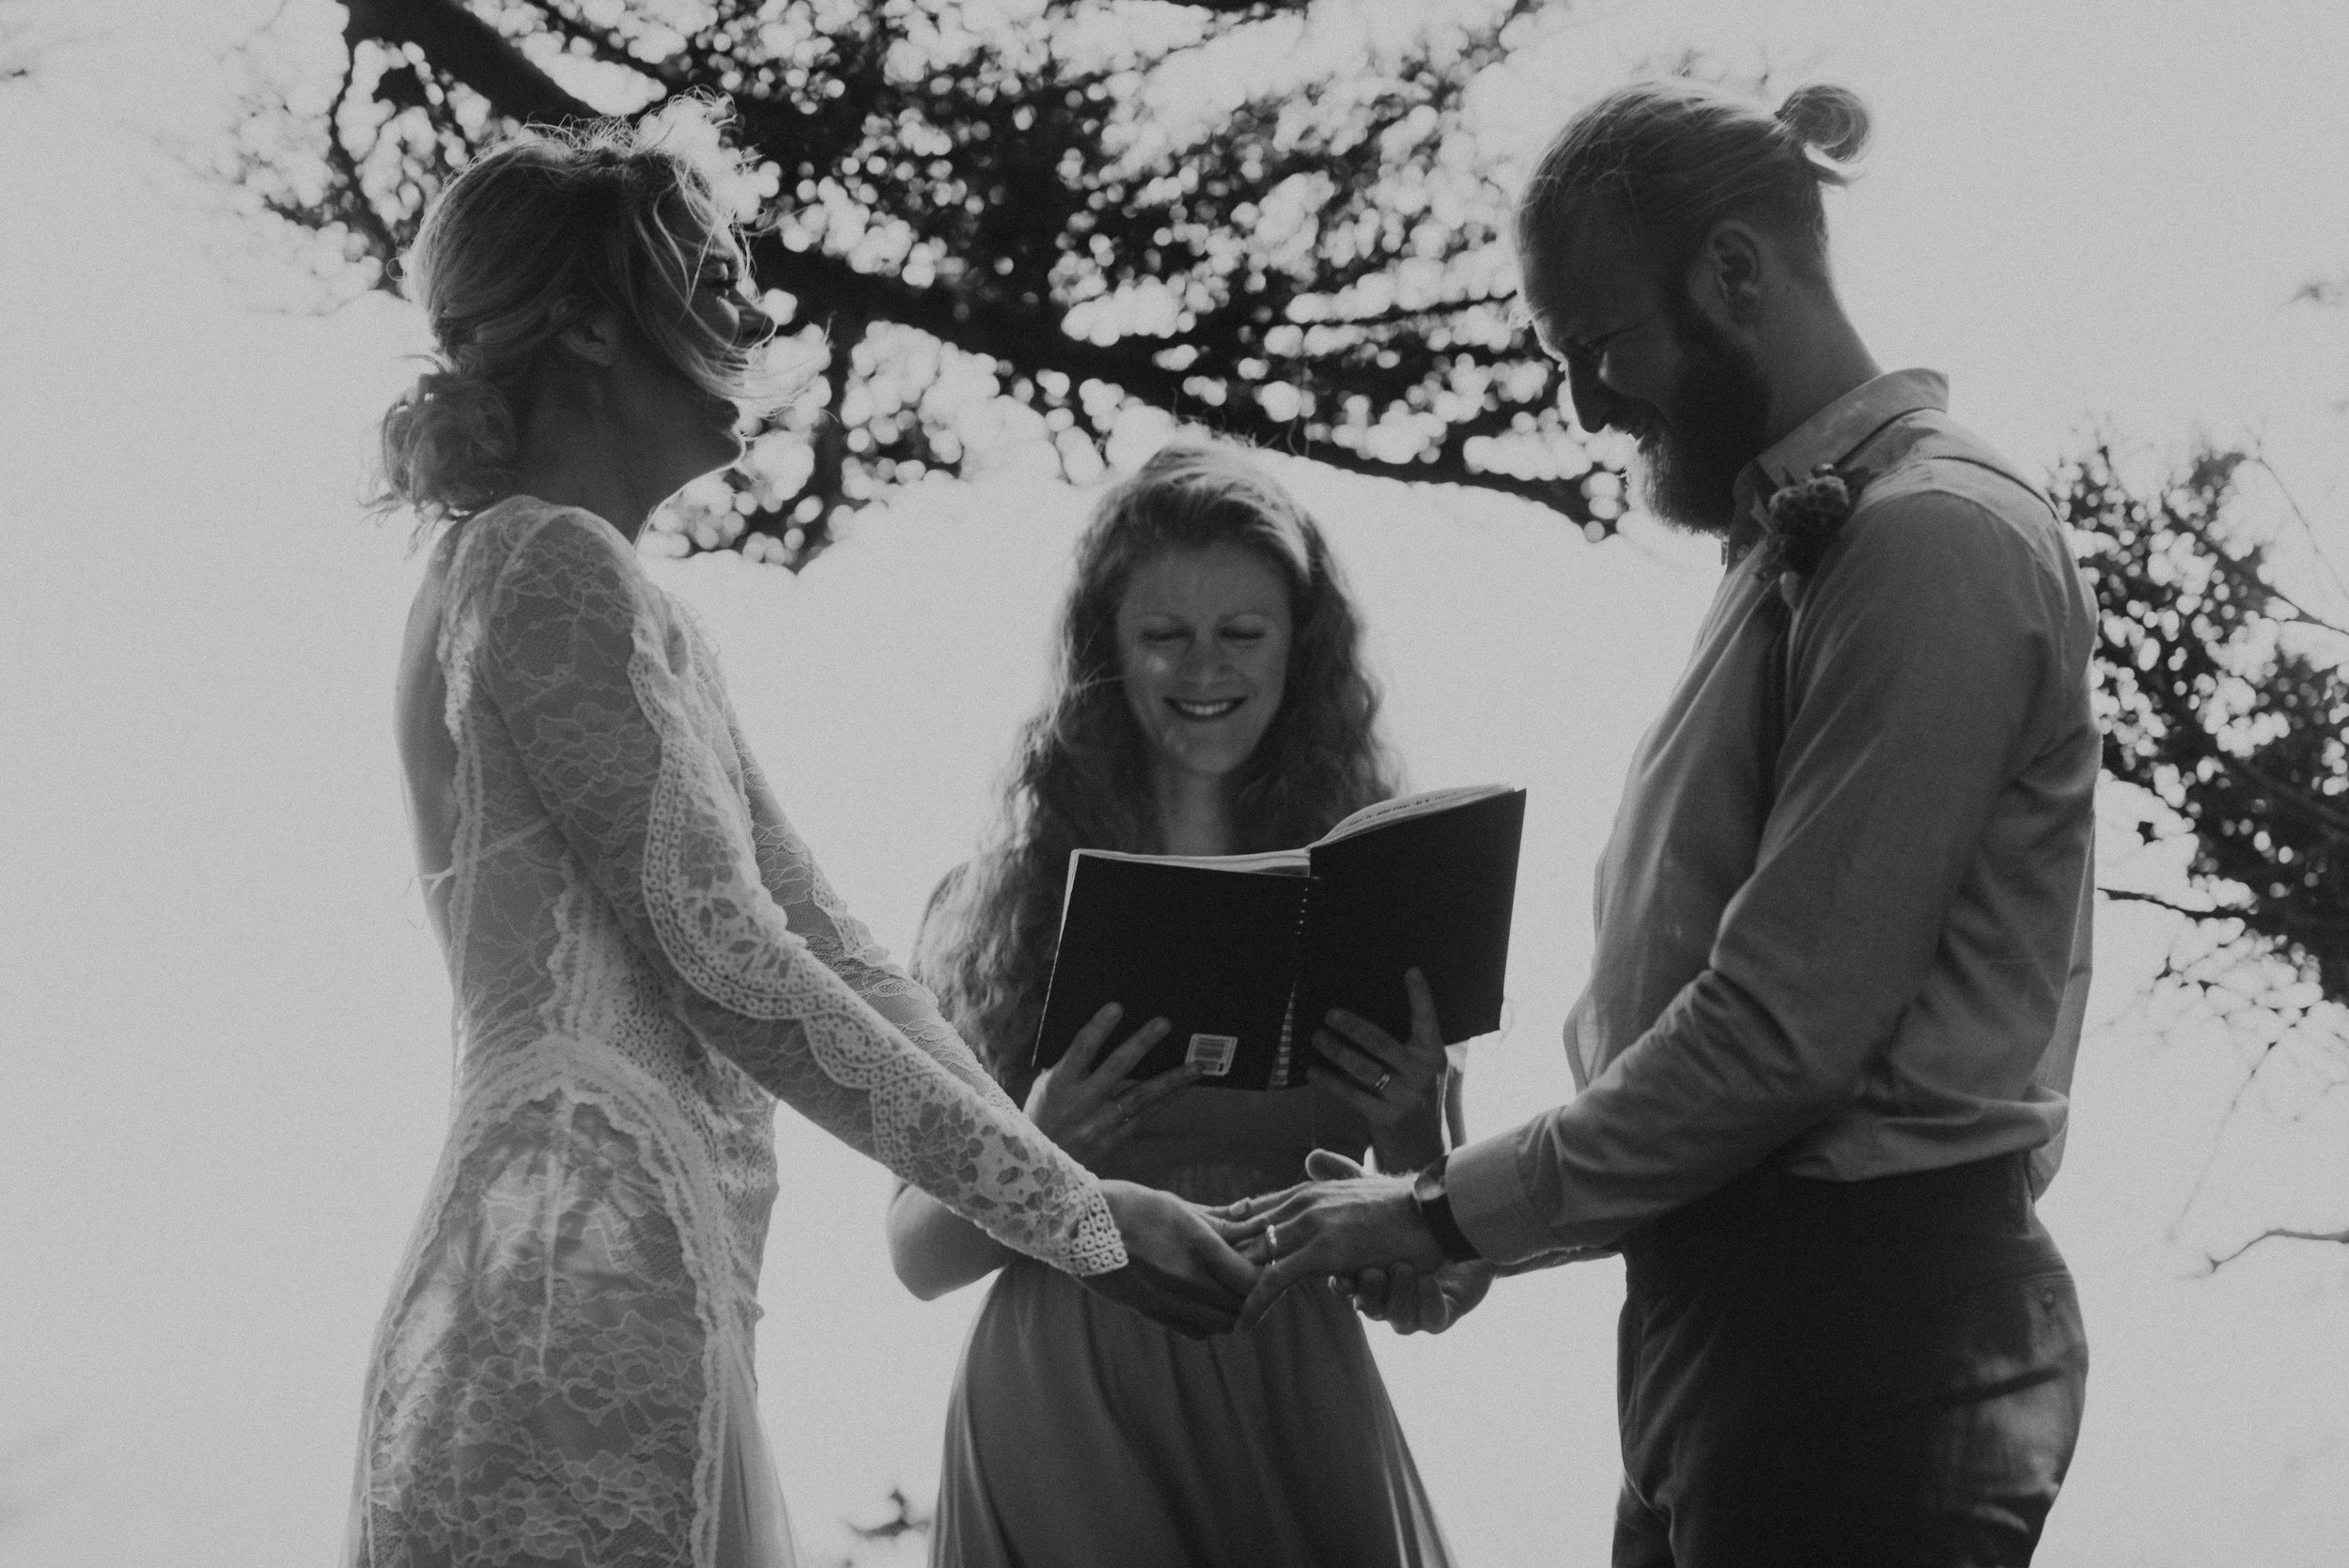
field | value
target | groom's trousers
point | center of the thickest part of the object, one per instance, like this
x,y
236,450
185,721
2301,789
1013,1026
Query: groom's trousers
x,y
1886,1372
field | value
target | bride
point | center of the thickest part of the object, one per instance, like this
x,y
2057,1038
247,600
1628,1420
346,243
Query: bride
x,y
645,958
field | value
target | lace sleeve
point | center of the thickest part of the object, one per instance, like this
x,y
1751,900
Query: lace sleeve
x,y
594,685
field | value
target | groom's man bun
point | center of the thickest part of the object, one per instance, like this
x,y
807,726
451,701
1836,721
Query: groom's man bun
x,y
1670,159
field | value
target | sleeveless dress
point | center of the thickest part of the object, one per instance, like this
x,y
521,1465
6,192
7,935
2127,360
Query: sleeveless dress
x,y
643,959
1080,1434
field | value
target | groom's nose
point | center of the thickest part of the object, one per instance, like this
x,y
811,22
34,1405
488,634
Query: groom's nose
x,y
1595,405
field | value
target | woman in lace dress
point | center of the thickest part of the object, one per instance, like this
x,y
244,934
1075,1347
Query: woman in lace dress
x,y
643,956
1211,700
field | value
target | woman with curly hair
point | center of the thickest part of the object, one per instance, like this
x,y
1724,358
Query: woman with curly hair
x,y
645,957
1211,700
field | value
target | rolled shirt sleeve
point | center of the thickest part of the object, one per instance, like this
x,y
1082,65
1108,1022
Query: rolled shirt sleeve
x,y
1929,666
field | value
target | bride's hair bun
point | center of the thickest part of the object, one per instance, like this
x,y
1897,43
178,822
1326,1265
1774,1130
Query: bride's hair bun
x,y
530,235
1826,119
449,443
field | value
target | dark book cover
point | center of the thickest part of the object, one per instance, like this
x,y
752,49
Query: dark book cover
x,y
1214,952
1433,892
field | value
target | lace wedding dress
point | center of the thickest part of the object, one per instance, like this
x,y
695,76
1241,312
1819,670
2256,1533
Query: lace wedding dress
x,y
643,959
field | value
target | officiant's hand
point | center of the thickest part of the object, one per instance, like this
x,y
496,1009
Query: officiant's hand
x,y
1088,1108
1180,1267
1397,1085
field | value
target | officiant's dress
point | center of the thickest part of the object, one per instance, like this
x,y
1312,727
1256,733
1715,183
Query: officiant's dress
x,y
644,959
1082,1434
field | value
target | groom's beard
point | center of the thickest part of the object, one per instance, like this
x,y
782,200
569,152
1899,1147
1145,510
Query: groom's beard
x,y
1692,449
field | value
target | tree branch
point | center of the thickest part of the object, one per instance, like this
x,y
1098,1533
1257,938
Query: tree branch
x,y
469,49
1028,338
2280,1233
2129,896
1031,342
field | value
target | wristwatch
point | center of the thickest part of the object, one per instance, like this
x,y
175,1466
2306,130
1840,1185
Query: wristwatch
x,y
1434,1211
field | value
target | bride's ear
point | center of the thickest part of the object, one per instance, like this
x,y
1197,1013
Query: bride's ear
x,y
594,338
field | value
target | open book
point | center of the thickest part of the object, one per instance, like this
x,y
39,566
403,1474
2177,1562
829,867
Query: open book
x,y
1246,953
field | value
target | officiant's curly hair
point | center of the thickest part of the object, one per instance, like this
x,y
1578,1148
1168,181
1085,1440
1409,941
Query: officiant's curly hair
x,y
534,235
1080,778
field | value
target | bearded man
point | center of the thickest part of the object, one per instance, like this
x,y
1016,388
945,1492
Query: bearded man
x,y
1842,919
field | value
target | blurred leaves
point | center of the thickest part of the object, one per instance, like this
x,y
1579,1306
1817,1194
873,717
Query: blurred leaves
x,y
1018,229
2225,701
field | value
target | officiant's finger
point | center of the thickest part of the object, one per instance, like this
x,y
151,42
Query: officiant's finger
x,y
1425,1026
1367,1051
1343,1085
1079,1057
1120,1113
1125,1058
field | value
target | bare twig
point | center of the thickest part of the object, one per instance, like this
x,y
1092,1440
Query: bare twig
x,y
2280,1233
2259,461
2129,895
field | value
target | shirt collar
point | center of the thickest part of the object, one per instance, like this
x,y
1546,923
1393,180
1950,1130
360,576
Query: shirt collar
x,y
1829,436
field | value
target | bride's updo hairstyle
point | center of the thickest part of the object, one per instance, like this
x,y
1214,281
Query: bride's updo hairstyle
x,y
535,235
1673,158
1081,778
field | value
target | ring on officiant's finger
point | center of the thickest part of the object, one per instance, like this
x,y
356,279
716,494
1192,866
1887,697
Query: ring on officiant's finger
x,y
1384,1079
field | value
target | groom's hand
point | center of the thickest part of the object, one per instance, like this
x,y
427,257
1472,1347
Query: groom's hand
x,y
1407,1300
1412,1302
1341,1224
1180,1269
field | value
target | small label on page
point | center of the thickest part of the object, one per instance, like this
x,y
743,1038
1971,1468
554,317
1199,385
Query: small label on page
x,y
1213,1053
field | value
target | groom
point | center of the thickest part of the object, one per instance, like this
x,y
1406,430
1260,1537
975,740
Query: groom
x,y
1842,921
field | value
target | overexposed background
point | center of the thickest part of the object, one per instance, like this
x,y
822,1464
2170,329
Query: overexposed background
x,y
223,1054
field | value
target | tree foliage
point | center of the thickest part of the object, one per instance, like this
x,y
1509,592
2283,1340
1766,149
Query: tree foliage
x,y
1010,221
2225,700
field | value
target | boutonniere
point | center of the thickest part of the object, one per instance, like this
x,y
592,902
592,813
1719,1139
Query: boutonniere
x,y
1801,520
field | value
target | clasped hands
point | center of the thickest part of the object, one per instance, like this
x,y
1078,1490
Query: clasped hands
x,y
1204,1271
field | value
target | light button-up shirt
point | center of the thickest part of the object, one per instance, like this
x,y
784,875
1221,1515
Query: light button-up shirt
x,y
1863,951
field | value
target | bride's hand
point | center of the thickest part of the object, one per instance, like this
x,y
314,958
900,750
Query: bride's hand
x,y
1088,1108
1179,1269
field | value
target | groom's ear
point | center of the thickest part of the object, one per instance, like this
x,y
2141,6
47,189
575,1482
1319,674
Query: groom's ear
x,y
1727,276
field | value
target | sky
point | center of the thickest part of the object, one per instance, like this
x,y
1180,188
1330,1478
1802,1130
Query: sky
x,y
224,1051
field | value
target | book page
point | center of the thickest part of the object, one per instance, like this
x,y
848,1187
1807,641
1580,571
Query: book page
x,y
1290,863
1403,807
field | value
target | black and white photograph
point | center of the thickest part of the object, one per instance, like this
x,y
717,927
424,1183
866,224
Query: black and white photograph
x,y
1174,784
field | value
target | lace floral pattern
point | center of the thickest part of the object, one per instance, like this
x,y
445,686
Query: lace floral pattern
x,y
645,958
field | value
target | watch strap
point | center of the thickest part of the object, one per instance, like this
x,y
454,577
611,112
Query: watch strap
x,y
1434,1211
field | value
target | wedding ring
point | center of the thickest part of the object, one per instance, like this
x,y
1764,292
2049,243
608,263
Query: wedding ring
x,y
1273,1239
1384,1079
